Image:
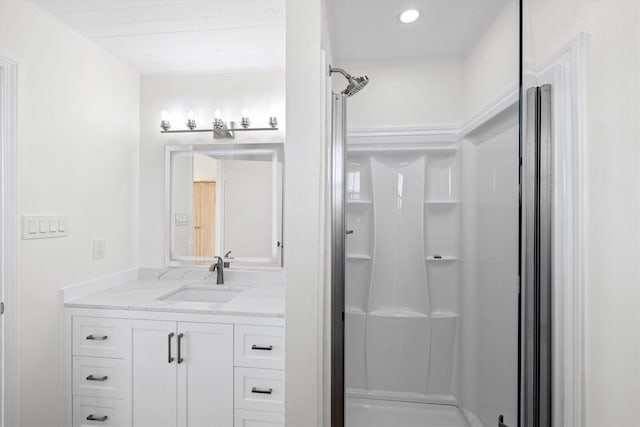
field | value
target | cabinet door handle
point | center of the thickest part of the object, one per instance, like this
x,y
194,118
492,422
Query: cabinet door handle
x,y
92,378
262,347
180,359
169,357
261,390
95,338
94,418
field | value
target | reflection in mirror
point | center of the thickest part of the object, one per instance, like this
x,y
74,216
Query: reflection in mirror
x,y
224,203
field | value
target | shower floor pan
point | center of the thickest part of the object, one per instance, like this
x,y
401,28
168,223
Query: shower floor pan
x,y
384,413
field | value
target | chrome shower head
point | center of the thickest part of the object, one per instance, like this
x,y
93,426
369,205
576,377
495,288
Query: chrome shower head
x,y
355,83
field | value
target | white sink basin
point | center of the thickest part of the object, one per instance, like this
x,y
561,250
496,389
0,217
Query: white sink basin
x,y
202,294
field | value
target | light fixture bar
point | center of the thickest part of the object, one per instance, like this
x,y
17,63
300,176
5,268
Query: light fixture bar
x,y
221,131
220,128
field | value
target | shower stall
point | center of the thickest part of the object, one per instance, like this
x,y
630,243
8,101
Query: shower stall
x,y
434,234
430,249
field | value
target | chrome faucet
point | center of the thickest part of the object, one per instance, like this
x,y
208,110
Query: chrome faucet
x,y
218,266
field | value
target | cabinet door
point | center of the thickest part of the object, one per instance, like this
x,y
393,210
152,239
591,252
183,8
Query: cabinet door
x,y
154,374
205,375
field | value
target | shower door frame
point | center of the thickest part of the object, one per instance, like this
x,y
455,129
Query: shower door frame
x,y
338,252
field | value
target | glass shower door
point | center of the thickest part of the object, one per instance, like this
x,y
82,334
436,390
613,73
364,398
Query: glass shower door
x,y
430,256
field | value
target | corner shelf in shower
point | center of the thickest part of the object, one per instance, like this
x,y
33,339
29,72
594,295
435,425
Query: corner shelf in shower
x,y
359,256
444,315
442,259
398,313
441,202
360,202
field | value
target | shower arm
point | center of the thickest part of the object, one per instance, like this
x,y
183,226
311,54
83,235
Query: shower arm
x,y
339,71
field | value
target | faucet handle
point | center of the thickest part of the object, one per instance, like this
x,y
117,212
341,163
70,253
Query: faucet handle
x,y
226,256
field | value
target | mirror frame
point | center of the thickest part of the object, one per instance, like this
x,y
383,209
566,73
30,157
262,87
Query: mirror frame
x,y
270,149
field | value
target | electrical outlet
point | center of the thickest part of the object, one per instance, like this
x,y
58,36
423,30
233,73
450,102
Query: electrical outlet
x,y
99,249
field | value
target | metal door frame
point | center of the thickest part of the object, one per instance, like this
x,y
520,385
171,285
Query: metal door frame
x,y
535,407
338,241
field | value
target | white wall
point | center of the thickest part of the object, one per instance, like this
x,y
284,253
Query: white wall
x,y
261,93
439,91
492,67
303,220
612,187
428,92
248,192
205,168
77,155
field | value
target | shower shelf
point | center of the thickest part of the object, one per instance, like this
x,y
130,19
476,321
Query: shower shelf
x,y
443,315
359,202
441,202
398,313
443,259
358,256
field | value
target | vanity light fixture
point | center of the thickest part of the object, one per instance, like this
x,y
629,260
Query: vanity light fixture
x,y
164,124
245,119
409,16
191,122
220,128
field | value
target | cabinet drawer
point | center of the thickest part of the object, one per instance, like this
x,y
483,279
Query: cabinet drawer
x,y
101,377
259,347
259,389
93,411
245,418
101,337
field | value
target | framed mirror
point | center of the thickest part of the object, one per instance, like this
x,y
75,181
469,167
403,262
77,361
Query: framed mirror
x,y
223,201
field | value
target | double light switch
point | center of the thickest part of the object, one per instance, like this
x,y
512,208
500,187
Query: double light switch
x,y
44,226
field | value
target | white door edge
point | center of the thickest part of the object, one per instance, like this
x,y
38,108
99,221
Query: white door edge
x,y
9,415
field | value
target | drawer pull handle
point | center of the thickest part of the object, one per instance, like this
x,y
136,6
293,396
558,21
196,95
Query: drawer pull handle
x,y
261,390
92,378
95,338
170,357
94,418
180,359
262,347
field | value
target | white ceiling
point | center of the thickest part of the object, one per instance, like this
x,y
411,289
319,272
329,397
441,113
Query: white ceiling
x,y
369,30
181,36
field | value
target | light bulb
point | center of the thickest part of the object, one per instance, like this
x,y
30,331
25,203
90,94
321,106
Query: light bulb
x,y
409,16
217,114
245,112
165,115
190,115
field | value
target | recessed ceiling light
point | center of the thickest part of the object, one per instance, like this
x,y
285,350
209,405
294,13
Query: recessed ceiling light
x,y
409,16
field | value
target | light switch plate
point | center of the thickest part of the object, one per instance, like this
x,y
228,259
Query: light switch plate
x,y
99,249
44,226
182,218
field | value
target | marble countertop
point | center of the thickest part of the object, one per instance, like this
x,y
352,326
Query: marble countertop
x,y
145,294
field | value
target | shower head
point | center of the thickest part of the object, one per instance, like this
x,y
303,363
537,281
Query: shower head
x,y
355,84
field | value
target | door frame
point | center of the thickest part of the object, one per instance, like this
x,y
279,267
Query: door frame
x,y
9,238
566,71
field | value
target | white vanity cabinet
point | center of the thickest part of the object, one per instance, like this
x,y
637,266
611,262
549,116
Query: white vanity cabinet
x,y
183,370
175,370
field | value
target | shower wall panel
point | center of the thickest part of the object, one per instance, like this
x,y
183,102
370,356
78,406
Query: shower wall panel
x,y
403,278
